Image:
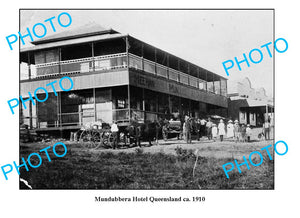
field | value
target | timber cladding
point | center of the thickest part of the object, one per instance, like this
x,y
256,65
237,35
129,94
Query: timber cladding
x,y
80,81
155,83
135,78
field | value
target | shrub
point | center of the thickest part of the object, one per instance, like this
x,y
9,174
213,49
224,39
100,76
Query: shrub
x,y
184,154
139,151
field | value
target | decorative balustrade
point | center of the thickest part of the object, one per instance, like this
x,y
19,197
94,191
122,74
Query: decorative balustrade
x,y
184,78
82,65
135,62
162,70
149,66
173,75
116,61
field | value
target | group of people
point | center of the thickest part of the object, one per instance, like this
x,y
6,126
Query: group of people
x,y
236,131
207,128
233,130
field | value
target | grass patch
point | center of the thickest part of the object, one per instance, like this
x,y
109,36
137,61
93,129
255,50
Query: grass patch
x,y
84,169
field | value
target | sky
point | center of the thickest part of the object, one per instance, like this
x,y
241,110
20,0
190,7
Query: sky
x,y
206,38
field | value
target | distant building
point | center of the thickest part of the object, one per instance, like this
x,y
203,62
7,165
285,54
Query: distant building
x,y
116,78
249,105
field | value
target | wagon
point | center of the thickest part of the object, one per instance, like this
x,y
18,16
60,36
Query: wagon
x,y
94,136
172,127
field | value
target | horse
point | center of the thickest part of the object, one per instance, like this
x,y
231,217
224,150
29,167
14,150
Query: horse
x,y
137,132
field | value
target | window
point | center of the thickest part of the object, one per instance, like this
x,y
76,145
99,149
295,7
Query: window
x,y
217,85
121,104
223,87
47,111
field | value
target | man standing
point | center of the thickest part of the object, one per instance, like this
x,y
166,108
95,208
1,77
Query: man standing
x,y
198,129
266,128
114,131
243,133
202,127
157,129
208,128
188,127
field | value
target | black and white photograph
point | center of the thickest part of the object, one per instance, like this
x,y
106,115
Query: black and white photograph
x,y
149,106
149,109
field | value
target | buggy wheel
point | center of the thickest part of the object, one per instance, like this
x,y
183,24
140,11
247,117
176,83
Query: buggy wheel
x,y
90,138
106,140
123,140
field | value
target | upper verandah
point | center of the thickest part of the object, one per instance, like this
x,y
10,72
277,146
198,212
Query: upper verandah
x,y
97,34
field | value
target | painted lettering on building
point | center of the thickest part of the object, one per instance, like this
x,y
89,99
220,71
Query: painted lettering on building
x,y
143,81
173,89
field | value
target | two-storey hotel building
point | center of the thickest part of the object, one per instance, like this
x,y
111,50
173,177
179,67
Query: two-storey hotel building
x,y
116,78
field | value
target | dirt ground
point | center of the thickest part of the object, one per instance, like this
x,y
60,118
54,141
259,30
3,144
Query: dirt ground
x,y
206,148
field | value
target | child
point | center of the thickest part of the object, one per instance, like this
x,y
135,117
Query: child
x,y
248,132
261,136
214,131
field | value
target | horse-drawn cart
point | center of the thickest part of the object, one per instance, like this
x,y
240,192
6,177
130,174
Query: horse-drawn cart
x,y
172,127
94,135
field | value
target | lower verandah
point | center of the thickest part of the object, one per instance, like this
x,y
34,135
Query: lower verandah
x,y
79,107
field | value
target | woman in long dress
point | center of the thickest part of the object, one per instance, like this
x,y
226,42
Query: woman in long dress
x,y
237,131
221,128
230,129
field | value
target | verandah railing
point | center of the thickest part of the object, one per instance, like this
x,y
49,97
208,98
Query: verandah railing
x,y
115,61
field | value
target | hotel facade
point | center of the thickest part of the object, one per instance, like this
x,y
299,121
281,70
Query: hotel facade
x,y
116,78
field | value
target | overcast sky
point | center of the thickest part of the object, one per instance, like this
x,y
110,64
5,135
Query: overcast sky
x,y
204,37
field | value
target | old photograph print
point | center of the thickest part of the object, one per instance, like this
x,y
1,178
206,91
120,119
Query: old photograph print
x,y
141,99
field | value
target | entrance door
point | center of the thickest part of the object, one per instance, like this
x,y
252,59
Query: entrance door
x,y
252,119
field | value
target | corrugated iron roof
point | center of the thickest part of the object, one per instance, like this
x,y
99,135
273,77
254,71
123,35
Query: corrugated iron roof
x,y
245,102
72,42
90,29
258,103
